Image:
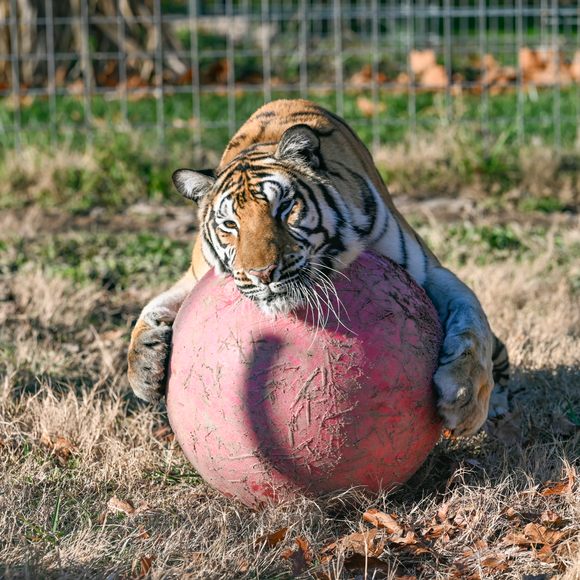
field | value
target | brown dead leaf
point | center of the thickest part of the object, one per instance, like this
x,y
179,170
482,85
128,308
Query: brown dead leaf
x,y
461,572
480,544
370,564
437,531
552,519
118,505
61,447
163,433
535,534
143,566
558,487
443,511
495,563
272,539
411,543
368,108
435,77
143,533
422,60
382,520
365,75
510,513
364,543
301,557
515,539
539,534
545,554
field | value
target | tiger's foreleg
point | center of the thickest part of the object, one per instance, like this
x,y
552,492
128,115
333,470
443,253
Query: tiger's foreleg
x,y
463,380
150,344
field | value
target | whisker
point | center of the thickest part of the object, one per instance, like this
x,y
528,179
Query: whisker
x,y
321,265
322,276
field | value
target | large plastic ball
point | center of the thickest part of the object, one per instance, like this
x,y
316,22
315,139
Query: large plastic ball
x,y
266,408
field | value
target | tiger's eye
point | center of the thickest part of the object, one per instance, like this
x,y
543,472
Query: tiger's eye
x,y
230,224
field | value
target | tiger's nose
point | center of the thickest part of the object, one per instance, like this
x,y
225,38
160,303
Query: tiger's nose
x,y
263,274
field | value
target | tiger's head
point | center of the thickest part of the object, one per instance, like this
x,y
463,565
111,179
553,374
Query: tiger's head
x,y
273,220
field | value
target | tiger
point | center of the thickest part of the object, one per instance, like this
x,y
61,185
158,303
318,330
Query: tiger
x,y
296,193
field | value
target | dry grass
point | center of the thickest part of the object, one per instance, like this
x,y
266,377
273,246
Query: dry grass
x,y
72,438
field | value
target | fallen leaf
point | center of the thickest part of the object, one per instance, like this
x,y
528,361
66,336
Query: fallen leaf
x,y
370,564
510,513
301,557
539,534
558,487
61,447
273,538
369,108
480,544
448,434
552,519
461,572
437,531
545,554
364,77
411,543
118,505
515,539
495,563
443,511
144,566
435,77
422,60
382,520
164,433
364,543
535,535
143,533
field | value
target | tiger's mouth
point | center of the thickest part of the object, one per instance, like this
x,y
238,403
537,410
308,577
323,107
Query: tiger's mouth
x,y
309,288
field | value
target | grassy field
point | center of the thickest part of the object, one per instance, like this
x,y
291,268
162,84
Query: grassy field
x,y
95,486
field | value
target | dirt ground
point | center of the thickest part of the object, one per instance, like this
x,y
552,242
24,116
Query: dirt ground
x,y
94,486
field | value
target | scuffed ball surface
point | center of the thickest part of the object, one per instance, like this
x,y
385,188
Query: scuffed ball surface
x,y
265,408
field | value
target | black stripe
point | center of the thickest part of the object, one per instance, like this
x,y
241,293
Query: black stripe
x,y
403,246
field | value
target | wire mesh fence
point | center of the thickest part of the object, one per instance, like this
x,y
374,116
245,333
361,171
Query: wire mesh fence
x,y
509,69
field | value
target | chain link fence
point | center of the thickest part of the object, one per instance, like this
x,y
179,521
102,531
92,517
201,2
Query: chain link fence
x,y
509,69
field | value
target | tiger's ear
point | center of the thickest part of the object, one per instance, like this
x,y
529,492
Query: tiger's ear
x,y
299,143
193,184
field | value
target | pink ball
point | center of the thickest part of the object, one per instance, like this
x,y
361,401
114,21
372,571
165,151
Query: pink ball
x,y
265,408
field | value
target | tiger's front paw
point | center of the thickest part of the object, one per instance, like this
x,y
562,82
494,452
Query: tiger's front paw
x,y
148,358
464,383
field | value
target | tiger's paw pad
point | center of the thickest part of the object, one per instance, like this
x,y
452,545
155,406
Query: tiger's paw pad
x,y
148,359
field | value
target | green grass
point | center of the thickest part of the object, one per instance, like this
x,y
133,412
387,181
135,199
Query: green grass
x,y
111,260
432,109
119,167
